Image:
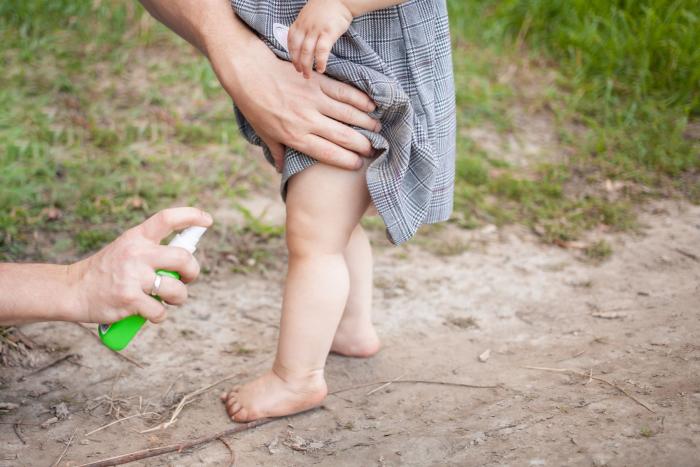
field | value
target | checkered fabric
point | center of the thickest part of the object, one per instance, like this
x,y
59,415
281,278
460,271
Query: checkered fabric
x,y
399,56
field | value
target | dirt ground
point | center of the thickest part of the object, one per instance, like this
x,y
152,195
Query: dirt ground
x,y
632,321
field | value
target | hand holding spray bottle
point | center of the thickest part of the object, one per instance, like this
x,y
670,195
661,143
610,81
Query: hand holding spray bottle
x,y
117,335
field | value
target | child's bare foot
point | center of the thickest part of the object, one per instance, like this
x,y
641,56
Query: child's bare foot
x,y
355,338
272,396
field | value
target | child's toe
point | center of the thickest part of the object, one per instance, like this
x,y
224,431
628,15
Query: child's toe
x,y
241,415
231,401
234,408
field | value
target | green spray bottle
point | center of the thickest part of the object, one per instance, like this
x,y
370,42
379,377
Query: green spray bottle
x,y
117,335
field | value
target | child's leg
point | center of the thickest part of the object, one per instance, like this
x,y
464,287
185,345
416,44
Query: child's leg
x,y
356,336
324,205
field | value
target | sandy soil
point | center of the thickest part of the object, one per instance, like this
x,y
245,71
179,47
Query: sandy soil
x,y
632,321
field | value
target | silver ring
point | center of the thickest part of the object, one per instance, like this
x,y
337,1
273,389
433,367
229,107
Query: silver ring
x,y
156,285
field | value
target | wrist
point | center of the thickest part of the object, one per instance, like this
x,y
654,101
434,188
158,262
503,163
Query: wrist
x,y
72,305
355,8
232,60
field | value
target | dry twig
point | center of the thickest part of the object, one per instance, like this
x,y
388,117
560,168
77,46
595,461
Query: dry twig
x,y
18,431
177,447
591,377
384,385
65,450
234,458
118,421
186,399
118,354
688,254
413,381
48,365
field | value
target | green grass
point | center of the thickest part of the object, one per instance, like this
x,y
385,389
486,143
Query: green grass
x,y
105,117
627,84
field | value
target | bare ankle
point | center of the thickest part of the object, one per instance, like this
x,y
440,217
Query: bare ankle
x,y
301,378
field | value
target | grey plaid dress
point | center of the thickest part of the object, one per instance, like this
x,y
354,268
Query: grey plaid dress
x,y
399,56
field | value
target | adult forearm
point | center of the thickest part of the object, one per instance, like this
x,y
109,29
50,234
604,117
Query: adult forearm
x,y
285,111
37,292
214,29
209,25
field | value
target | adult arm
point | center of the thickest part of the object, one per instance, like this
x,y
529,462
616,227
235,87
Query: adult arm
x,y
311,116
108,286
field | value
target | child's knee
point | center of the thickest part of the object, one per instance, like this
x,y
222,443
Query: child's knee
x,y
308,234
324,205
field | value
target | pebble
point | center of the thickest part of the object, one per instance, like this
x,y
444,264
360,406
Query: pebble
x,y
483,358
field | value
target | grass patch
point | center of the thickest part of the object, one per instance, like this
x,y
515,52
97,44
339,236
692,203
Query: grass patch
x,y
625,93
105,117
463,322
598,251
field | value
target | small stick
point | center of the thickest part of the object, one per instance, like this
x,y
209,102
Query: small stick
x,y
17,430
234,458
384,385
118,354
413,381
177,447
47,366
65,450
688,254
20,423
118,421
602,380
577,354
186,399
23,337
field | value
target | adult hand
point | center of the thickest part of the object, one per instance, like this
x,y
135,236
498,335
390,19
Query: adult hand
x,y
116,282
309,115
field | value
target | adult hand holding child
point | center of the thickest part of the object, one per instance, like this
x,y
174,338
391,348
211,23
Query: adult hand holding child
x,y
309,115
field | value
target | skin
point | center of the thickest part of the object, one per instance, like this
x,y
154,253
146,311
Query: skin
x,y
327,295
110,285
285,110
319,25
329,275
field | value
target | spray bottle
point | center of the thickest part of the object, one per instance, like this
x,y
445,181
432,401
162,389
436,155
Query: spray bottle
x,y
117,335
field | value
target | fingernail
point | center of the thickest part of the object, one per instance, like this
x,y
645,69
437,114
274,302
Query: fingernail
x,y
359,164
378,127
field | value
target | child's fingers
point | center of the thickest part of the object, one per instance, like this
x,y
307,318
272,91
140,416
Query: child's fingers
x,y
323,49
294,40
307,55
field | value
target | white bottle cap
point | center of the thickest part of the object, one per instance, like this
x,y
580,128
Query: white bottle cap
x,y
188,238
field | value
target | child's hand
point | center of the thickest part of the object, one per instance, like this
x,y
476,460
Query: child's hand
x,y
319,24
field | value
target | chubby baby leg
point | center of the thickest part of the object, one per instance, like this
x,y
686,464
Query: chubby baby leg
x,y
324,205
356,336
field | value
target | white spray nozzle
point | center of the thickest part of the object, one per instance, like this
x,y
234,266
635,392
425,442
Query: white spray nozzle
x,y
188,238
